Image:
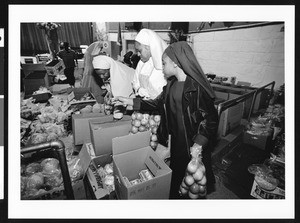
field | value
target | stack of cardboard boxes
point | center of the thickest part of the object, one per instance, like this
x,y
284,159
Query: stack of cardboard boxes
x,y
107,141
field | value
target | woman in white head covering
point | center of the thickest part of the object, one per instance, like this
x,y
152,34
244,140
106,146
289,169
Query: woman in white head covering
x,y
88,80
115,73
149,79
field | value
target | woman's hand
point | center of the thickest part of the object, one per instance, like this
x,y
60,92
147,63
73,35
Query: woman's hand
x,y
125,101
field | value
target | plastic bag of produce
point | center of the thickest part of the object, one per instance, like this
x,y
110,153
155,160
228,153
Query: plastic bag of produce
x,y
35,181
75,169
50,166
263,176
32,168
194,182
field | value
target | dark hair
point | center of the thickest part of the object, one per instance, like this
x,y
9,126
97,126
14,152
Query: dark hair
x,y
135,59
66,45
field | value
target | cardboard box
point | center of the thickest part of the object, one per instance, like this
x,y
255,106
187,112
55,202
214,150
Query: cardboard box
x,y
77,94
131,154
35,80
81,128
90,162
55,67
221,95
104,129
230,119
260,193
59,88
263,142
29,68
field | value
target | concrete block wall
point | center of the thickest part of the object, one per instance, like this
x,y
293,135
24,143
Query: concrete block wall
x,y
254,55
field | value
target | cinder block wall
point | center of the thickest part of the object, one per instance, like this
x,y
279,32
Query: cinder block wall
x,y
254,55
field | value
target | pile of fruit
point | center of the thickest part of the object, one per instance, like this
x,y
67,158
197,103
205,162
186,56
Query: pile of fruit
x,y
38,178
145,122
107,177
194,182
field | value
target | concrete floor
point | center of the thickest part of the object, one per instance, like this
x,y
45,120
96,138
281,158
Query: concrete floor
x,y
221,192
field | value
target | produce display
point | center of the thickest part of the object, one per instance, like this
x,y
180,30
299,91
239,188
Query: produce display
x,y
267,122
145,122
39,178
106,177
264,176
194,182
44,122
108,105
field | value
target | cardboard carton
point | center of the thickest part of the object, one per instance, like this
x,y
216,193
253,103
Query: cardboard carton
x,y
230,119
260,193
221,95
81,128
77,94
90,163
59,88
263,142
131,154
104,129
35,80
55,67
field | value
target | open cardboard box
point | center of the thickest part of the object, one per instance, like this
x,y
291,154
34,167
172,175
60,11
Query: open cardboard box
x,y
260,193
104,129
81,128
90,162
131,154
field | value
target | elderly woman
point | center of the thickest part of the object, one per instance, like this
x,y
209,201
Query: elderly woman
x,y
149,80
116,78
116,74
88,80
187,111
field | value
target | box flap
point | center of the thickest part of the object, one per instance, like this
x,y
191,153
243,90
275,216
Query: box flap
x,y
130,142
88,115
86,155
155,164
102,135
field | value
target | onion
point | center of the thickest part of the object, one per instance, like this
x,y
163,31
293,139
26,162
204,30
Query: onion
x,y
193,196
192,166
189,180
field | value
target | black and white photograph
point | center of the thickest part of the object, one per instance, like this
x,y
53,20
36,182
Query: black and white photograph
x,y
116,113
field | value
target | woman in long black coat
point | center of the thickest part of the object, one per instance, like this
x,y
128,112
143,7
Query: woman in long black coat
x,y
187,111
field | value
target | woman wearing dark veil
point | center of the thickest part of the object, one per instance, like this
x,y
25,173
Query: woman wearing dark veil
x,y
187,111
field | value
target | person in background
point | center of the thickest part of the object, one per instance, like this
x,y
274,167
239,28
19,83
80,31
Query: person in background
x,y
187,111
131,59
69,57
127,57
149,80
116,78
134,60
88,80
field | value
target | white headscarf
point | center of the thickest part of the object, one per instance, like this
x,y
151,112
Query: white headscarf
x,y
157,45
120,75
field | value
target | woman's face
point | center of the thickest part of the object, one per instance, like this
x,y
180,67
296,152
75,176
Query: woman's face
x,y
143,51
168,66
104,74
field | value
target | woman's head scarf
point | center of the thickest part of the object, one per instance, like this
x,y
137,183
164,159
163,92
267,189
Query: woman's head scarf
x,y
182,54
157,45
121,75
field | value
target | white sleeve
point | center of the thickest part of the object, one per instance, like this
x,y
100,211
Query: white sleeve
x,y
135,82
157,81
